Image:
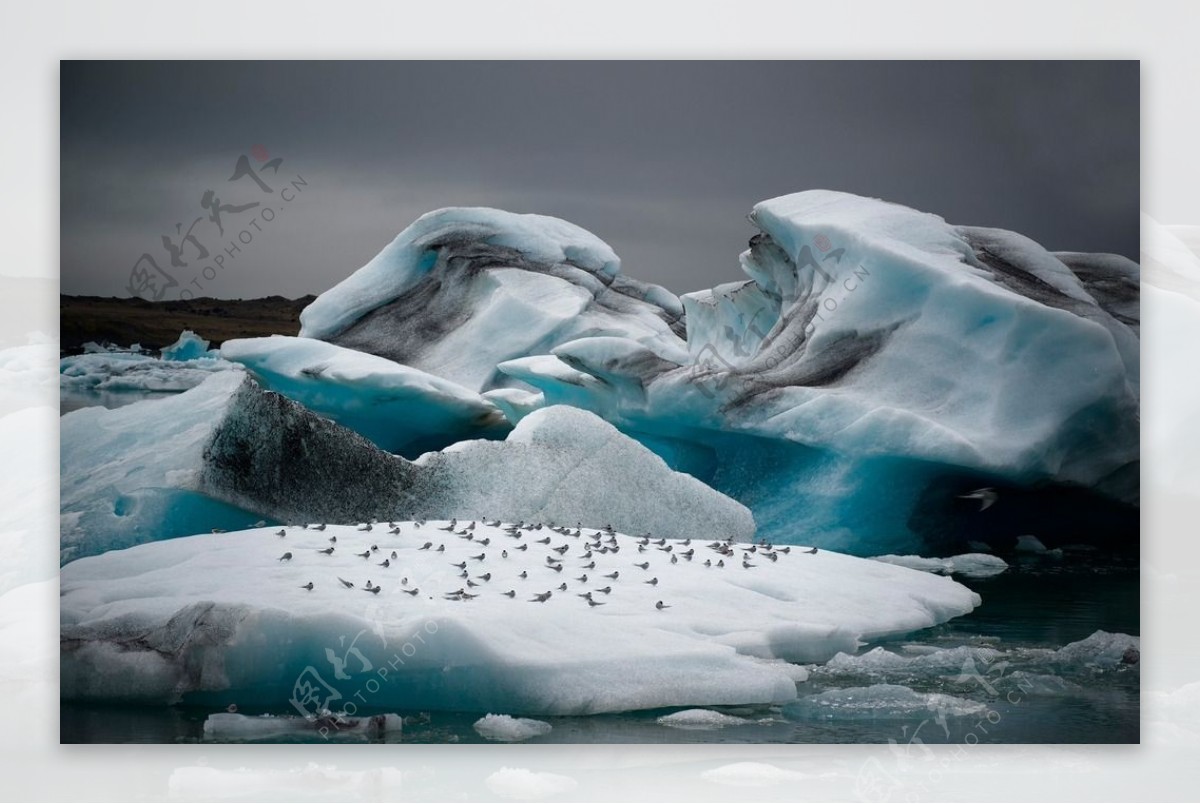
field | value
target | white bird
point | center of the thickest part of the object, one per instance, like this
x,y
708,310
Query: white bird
x,y
986,496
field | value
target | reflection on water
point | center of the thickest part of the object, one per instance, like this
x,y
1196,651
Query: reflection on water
x,y
1039,605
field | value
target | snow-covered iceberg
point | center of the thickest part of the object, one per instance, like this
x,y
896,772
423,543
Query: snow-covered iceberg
x,y
389,624
462,290
566,465
402,409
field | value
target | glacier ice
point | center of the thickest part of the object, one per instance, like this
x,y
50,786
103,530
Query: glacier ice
x,y
508,729
876,364
222,455
878,702
464,289
189,346
700,720
227,453
1099,651
565,465
230,726
114,371
219,618
1031,669
401,409
969,565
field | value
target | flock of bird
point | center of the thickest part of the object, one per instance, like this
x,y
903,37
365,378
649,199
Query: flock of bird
x,y
595,555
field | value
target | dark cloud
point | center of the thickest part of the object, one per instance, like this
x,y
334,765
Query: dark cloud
x,y
662,159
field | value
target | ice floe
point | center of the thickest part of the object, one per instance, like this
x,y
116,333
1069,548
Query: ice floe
x,y
508,729
226,618
969,565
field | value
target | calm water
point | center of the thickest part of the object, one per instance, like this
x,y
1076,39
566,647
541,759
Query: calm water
x,y
1038,605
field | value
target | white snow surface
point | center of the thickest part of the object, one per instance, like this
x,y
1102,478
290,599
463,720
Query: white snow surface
x,y
219,618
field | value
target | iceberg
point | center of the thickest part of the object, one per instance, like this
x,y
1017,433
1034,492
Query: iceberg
x,y
508,729
462,290
98,372
700,720
221,456
565,465
229,618
190,346
227,454
877,359
401,409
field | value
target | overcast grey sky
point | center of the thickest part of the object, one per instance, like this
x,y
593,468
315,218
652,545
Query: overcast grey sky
x,y
663,160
